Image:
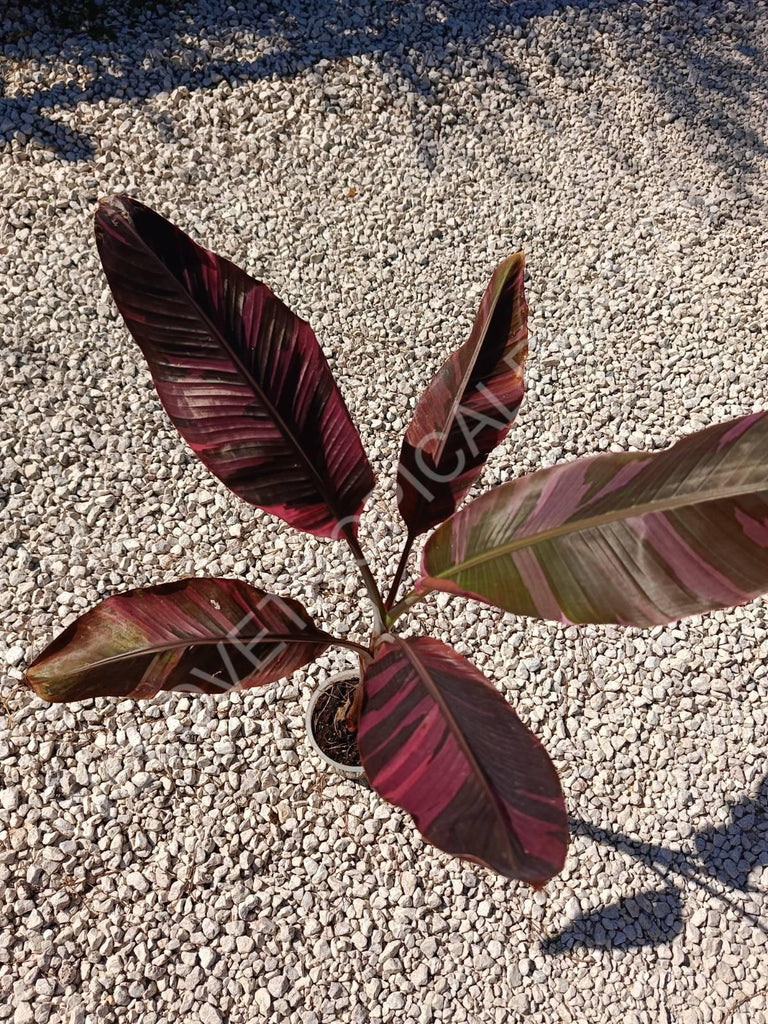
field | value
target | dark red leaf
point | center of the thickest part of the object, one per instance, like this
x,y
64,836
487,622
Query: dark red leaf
x,y
437,739
469,406
242,377
200,635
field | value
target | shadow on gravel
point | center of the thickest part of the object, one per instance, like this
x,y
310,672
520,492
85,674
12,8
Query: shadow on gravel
x,y
647,919
696,65
729,854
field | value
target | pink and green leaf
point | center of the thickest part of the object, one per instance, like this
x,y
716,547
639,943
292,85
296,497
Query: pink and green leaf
x,y
469,406
243,378
437,739
631,538
198,635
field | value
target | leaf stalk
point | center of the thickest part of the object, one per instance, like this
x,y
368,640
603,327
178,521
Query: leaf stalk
x,y
410,599
400,571
371,586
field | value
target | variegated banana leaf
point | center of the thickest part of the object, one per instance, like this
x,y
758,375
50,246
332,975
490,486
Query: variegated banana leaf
x,y
198,635
631,538
242,377
437,739
469,406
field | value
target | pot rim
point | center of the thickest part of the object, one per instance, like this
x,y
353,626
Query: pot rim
x,y
348,771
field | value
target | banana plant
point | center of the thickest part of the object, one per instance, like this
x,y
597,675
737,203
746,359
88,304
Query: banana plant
x,y
634,539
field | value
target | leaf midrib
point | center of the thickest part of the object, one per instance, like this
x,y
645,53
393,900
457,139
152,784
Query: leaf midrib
x,y
226,640
516,851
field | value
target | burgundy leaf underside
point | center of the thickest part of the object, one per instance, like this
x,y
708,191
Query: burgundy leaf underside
x,y
437,739
243,379
468,408
198,635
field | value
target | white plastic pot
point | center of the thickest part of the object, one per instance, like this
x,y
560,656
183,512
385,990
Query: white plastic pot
x,y
345,770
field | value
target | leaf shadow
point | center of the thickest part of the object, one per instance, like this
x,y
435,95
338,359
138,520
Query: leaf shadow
x,y
730,854
650,918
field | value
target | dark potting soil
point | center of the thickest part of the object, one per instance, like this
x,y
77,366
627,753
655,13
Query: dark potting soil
x,y
331,734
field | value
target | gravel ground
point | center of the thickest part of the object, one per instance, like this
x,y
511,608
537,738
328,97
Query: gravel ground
x,y
187,859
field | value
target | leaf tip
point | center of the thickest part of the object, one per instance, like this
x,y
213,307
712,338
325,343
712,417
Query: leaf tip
x,y
37,686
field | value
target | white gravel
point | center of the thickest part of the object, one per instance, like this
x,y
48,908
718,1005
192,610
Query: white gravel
x,y
187,860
